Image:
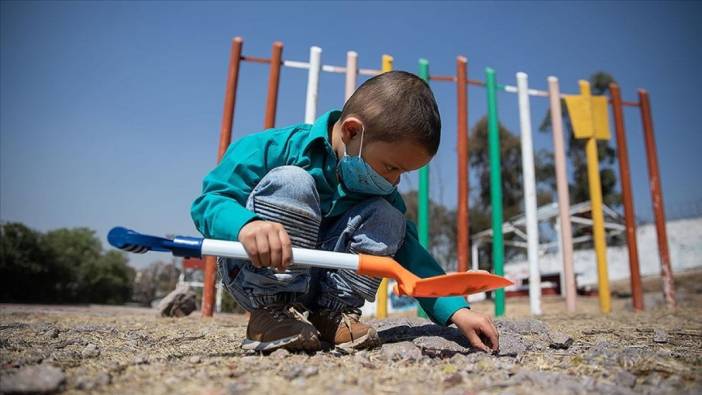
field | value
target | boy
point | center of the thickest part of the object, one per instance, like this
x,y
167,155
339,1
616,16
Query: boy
x,y
330,186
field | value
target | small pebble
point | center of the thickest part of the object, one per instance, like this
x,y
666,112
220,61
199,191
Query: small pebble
x,y
453,379
90,351
280,353
560,341
660,336
195,359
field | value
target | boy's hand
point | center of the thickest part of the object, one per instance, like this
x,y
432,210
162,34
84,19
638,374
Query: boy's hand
x,y
267,244
478,328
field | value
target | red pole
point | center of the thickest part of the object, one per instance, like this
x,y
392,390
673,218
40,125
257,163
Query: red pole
x,y
657,197
273,83
462,225
627,197
225,138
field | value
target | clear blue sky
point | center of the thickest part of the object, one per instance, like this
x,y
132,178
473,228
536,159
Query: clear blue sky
x,y
110,112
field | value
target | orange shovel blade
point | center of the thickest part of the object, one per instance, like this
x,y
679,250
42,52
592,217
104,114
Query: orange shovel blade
x,y
465,283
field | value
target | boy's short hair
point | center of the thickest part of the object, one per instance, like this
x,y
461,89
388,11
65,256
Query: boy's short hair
x,y
397,105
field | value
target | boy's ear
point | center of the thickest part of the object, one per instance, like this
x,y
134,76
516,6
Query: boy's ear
x,y
350,129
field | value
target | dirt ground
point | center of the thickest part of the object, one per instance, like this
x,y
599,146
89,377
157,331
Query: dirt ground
x,y
101,349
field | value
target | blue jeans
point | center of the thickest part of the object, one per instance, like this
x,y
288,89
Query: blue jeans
x,y
288,195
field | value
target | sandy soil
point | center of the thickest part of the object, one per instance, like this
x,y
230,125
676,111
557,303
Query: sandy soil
x,y
103,349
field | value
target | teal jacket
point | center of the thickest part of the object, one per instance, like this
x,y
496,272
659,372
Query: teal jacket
x,y
220,212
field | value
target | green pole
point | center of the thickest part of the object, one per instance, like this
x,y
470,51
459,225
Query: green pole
x,y
498,249
423,196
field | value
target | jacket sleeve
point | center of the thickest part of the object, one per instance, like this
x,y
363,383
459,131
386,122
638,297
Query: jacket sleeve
x,y
220,211
419,261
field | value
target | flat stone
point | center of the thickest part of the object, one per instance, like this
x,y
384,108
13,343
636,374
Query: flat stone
x,y
140,360
511,345
441,347
179,303
560,341
33,379
400,351
660,336
309,371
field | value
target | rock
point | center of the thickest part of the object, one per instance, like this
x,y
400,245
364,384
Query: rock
x,y
90,351
89,383
660,336
452,380
195,359
33,379
52,333
625,378
401,351
522,327
363,360
280,353
511,345
179,303
140,360
292,373
560,341
436,346
310,371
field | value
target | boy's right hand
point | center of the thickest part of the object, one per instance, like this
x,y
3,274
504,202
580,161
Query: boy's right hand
x,y
267,244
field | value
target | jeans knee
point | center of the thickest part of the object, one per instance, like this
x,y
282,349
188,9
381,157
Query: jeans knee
x,y
375,228
291,187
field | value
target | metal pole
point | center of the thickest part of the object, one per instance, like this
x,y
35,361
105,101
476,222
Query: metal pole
x,y
225,138
593,176
627,197
351,73
530,204
654,178
566,235
495,186
462,231
273,83
382,297
423,196
313,84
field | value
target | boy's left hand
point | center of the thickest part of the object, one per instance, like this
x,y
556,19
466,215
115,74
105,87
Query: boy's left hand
x,y
478,328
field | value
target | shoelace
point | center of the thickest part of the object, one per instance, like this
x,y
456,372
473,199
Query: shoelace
x,y
291,310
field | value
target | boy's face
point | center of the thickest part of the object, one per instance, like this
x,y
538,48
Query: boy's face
x,y
389,159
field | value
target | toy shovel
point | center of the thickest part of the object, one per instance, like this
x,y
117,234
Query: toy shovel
x,y
465,283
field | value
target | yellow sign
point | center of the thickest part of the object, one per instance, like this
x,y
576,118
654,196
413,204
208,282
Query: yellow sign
x,y
589,119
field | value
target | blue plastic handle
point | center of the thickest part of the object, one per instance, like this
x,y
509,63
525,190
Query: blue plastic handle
x,y
129,240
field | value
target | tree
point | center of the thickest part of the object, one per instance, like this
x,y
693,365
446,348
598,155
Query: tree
x,y
62,266
512,180
579,189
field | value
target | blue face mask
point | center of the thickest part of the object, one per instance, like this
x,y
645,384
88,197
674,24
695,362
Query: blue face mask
x,y
358,176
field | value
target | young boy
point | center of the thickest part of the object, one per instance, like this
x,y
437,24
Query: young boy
x,y
331,186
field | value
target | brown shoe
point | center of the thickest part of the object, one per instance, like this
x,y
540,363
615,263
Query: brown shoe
x,y
344,329
281,326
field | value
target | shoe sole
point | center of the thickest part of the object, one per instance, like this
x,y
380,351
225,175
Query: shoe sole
x,y
290,343
369,340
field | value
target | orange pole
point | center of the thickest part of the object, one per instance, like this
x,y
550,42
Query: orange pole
x,y
273,83
654,178
225,138
462,220
627,197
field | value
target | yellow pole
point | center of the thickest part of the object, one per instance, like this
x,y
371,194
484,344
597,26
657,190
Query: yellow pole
x,y
381,307
593,177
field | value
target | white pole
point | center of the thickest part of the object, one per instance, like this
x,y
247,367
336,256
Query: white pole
x,y
475,264
351,73
529,194
313,84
